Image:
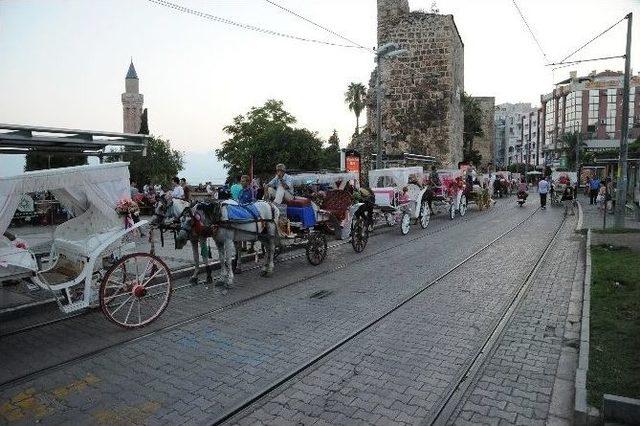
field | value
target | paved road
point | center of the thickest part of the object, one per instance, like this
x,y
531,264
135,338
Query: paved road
x,y
397,371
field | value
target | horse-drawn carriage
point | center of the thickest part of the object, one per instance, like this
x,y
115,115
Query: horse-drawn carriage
x,y
559,182
400,196
92,258
448,194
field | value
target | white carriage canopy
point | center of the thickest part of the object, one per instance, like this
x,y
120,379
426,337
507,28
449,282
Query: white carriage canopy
x,y
322,178
396,176
76,188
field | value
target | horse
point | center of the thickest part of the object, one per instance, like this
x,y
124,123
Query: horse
x,y
212,219
166,215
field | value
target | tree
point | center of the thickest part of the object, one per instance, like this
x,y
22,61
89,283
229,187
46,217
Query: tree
x,y
331,153
570,146
472,128
354,97
266,134
160,164
40,160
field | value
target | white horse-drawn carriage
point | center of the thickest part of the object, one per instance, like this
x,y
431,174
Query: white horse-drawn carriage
x,y
92,258
400,196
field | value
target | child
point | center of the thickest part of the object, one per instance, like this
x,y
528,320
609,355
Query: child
x,y
601,197
567,200
404,196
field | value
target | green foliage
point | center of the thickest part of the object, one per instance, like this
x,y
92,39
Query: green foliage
x,y
472,128
160,165
38,161
614,365
266,134
519,168
331,153
569,146
355,97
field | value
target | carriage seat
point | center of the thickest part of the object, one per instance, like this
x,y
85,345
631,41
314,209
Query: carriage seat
x,y
384,196
298,202
304,215
83,234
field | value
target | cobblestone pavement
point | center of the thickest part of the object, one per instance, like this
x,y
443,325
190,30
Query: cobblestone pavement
x,y
199,370
400,370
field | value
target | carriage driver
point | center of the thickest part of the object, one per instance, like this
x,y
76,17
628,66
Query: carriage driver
x,y
280,188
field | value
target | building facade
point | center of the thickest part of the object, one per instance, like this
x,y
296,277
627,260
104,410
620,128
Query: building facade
x,y
516,134
421,105
132,101
485,144
591,106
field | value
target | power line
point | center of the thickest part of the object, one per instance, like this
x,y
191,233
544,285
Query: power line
x,y
585,60
226,21
316,24
530,30
592,40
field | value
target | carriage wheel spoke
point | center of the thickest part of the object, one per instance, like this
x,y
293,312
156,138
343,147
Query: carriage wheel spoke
x,y
129,312
139,314
145,270
150,278
113,296
119,307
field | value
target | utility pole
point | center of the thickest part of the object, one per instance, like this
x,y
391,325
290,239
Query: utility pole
x,y
621,191
378,114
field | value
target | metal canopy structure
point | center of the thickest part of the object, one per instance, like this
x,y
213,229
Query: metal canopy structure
x,y
18,139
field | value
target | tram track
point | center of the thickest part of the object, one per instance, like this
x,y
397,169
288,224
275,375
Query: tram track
x,y
195,318
456,389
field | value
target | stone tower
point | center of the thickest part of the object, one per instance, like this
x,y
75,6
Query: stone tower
x,y
132,101
421,105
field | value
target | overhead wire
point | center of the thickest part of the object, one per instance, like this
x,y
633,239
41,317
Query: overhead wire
x,y
592,40
530,30
250,27
279,6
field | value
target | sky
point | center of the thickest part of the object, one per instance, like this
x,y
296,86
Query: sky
x,y
63,62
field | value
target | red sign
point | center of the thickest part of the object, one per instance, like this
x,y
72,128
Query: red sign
x,y
352,164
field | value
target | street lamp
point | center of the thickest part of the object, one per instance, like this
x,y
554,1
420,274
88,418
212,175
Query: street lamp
x,y
386,51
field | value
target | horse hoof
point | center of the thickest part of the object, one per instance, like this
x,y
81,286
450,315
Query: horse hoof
x,y
237,271
209,280
193,280
220,284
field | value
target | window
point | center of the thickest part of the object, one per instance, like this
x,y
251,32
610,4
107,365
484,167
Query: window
x,y
549,120
594,102
611,112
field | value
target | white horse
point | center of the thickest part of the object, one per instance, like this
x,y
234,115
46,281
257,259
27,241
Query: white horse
x,y
212,220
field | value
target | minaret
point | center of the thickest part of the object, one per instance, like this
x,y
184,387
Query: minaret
x,y
132,102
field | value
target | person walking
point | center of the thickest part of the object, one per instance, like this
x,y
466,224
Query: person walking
x,y
594,187
567,200
543,190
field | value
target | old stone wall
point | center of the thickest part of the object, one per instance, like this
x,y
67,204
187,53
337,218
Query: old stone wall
x,y
485,145
421,106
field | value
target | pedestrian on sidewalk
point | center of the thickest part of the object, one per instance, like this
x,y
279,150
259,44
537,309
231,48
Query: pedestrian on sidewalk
x,y
543,190
567,200
594,187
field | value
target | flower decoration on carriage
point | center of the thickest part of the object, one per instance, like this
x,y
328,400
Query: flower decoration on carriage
x,y
140,199
564,180
318,197
21,244
126,207
453,185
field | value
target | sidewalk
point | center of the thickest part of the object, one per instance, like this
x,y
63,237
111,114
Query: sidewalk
x,y
594,218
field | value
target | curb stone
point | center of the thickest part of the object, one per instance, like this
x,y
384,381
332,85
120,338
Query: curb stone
x,y
580,223
583,414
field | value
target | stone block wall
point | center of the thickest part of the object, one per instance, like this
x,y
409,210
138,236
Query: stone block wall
x,y
485,144
421,106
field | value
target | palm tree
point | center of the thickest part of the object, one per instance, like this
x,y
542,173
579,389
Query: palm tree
x,y
570,147
354,97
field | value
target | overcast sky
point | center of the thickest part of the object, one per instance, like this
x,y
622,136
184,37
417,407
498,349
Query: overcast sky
x,y
63,62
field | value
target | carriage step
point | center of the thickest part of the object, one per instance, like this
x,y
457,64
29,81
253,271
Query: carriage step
x,y
73,307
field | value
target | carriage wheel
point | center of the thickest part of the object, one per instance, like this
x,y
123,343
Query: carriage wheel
x,y
359,234
135,290
390,218
405,223
425,215
316,248
463,205
452,211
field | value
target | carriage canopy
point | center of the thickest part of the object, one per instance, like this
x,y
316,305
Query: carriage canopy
x,y
393,176
323,178
77,188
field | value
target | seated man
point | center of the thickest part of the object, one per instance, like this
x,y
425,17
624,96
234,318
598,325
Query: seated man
x,y
280,188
